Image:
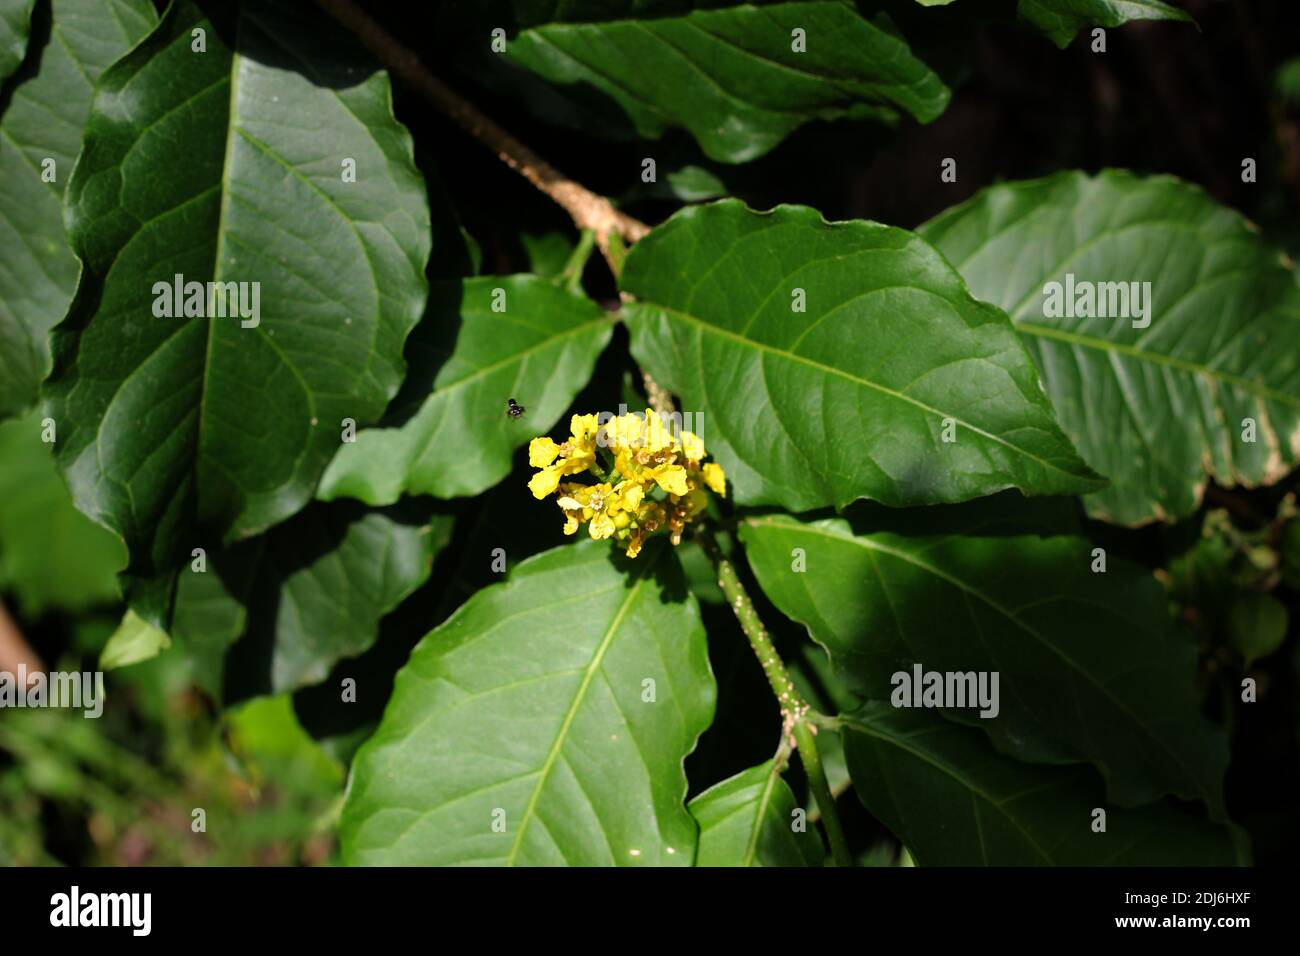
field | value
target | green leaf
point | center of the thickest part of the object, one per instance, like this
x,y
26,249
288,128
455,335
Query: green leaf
x,y
538,346
1090,666
273,747
528,709
1062,19
732,77
135,640
1257,626
42,123
548,252
15,29
848,399
953,801
515,14
1153,408
747,820
304,596
51,555
170,424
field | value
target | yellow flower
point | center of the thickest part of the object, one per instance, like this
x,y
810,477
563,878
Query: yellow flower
x,y
715,478
692,446
575,455
659,482
541,452
544,482
583,429
671,478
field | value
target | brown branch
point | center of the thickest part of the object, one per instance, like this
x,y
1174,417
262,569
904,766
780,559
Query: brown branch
x,y
588,210
14,650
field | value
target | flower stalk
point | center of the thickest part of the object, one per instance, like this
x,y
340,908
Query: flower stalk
x,y
798,721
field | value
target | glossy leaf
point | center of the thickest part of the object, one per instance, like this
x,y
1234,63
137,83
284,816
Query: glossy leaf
x,y
747,820
40,135
953,801
52,557
1090,666
482,343
15,29
227,423
1153,408
528,709
306,595
1062,19
857,395
532,13
733,77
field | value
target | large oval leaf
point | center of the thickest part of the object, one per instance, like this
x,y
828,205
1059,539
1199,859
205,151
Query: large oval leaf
x,y
228,422
482,342
953,801
40,134
739,79
748,820
544,723
1153,408
1090,665
893,384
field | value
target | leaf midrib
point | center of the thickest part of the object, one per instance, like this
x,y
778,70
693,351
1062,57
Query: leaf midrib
x,y
949,770
760,815
579,697
857,380
967,588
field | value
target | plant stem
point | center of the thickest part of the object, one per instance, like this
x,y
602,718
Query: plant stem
x,y
805,738
589,210
794,709
789,699
659,397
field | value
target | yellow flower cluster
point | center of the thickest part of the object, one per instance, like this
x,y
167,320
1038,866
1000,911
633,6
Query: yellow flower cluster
x,y
652,479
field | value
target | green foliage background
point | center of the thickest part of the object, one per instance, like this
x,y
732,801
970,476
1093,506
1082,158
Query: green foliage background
x,y
314,641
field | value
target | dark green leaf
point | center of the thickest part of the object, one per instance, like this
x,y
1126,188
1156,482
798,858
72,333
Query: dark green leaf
x,y
467,359
1257,625
1090,665
953,801
42,125
732,77
1062,19
547,252
309,593
227,423
747,820
855,396
1153,408
528,708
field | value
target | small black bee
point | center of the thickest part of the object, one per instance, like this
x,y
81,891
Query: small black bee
x,y
514,409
